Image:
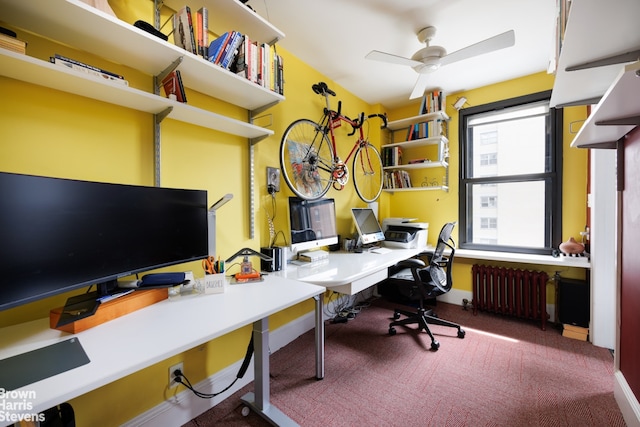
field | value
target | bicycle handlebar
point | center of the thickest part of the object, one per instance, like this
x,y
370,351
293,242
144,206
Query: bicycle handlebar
x,y
321,88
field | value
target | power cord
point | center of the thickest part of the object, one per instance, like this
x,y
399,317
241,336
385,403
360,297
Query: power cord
x,y
182,379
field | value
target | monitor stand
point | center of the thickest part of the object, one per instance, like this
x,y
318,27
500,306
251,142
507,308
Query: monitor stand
x,y
85,305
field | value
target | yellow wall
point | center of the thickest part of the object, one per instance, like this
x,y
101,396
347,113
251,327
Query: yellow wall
x,y
437,207
46,132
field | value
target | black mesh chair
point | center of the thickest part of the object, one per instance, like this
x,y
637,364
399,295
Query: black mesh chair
x,y
420,282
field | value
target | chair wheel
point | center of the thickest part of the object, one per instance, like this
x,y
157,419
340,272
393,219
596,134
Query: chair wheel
x,y
392,330
396,315
461,333
435,345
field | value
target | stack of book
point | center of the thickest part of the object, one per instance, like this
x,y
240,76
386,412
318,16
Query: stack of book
x,y
99,73
191,32
9,41
257,62
391,156
173,87
431,102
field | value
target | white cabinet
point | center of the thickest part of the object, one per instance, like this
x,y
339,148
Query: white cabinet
x,y
438,159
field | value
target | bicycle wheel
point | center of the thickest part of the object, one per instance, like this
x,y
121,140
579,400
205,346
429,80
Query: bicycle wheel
x,y
367,172
306,159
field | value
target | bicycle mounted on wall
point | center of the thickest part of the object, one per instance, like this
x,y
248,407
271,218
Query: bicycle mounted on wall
x,y
309,159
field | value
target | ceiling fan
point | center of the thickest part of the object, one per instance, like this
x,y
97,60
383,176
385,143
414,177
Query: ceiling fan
x,y
430,58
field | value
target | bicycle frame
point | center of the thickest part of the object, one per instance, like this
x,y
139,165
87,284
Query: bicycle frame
x,y
332,119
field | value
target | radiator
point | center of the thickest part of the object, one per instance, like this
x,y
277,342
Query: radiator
x,y
512,292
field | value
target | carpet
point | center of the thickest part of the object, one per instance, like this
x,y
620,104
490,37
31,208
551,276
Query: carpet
x,y
505,372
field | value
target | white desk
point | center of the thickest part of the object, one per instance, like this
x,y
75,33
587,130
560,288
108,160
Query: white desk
x,y
138,340
347,273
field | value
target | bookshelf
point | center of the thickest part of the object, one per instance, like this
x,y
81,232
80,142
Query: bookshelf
x,y
441,142
83,27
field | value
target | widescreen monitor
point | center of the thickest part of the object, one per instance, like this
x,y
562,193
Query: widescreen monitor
x,y
367,224
312,223
57,235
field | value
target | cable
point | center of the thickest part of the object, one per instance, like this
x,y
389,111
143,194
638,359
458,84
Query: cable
x,y
182,379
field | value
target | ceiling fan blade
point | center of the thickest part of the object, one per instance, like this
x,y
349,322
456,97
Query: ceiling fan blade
x,y
494,43
376,55
420,87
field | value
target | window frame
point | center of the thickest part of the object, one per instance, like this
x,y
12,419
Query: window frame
x,y
553,178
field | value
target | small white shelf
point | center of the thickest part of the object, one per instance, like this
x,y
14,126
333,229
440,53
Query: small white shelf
x,y
434,140
82,26
404,123
621,101
33,70
429,188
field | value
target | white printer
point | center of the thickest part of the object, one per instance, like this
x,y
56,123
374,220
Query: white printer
x,y
404,233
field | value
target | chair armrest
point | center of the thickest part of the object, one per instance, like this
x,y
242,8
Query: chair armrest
x,y
411,263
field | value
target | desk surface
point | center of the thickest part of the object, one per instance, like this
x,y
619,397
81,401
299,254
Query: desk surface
x,y
140,339
345,267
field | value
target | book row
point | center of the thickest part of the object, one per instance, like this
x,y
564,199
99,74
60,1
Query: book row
x,y
391,156
397,179
233,51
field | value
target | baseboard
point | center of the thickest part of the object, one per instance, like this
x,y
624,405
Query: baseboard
x,y
185,406
627,401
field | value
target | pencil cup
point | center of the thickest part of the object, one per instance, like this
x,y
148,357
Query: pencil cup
x,y
214,283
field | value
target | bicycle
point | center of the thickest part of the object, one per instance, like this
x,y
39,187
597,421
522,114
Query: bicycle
x,y
309,160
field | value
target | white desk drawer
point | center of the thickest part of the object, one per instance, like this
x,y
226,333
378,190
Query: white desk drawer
x,y
362,283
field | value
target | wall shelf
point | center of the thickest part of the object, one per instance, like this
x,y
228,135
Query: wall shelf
x,y
616,26
617,113
77,24
36,71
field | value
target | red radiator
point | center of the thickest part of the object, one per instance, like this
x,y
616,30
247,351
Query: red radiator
x,y
512,292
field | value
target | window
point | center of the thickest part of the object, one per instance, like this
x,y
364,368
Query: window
x,y
511,152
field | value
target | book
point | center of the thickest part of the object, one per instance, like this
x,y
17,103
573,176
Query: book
x,y
239,64
82,64
217,47
231,49
13,44
183,30
203,32
172,85
85,70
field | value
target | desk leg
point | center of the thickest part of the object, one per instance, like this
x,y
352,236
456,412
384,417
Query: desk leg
x,y
259,401
319,337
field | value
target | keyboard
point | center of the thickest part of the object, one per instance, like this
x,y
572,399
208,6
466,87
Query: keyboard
x,y
381,250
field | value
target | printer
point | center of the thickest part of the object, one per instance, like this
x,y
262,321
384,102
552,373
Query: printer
x,y
404,233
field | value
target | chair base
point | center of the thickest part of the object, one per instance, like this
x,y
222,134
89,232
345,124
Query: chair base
x,y
422,318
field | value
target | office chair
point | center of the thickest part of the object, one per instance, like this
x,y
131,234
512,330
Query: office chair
x,y
426,282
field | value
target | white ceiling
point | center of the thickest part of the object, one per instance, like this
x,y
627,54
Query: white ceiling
x,y
333,37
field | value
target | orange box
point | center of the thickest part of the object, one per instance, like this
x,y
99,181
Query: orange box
x,y
110,310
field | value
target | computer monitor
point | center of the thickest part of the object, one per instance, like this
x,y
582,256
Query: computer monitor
x,y
312,223
367,225
59,235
